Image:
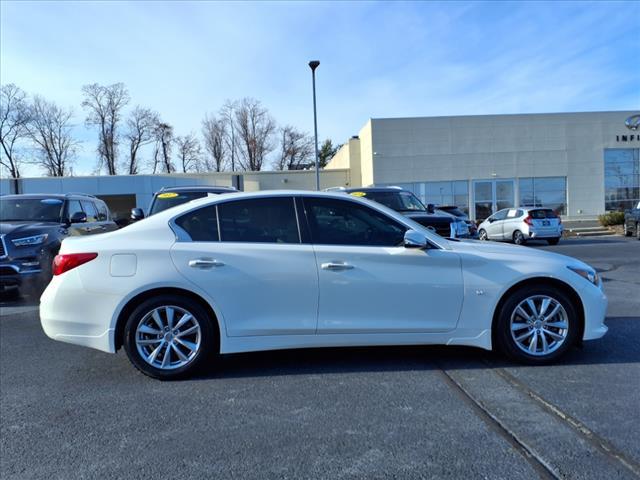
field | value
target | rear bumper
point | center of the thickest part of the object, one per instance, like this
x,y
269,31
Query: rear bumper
x,y
533,233
71,314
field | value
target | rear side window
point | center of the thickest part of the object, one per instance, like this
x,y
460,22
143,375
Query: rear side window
x,y
201,225
545,213
91,211
260,220
337,222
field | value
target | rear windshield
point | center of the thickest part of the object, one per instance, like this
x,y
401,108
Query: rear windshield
x,y
546,213
165,200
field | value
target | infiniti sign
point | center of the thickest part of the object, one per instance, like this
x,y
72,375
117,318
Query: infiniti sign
x,y
633,122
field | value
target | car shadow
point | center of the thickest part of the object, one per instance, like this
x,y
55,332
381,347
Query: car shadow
x,y
617,347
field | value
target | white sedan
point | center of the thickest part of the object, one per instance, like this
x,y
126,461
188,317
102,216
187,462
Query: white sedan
x,y
275,270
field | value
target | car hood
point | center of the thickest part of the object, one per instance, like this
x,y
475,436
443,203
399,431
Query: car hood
x,y
26,228
418,216
505,249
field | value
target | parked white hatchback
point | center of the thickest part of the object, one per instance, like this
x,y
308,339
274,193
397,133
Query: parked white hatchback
x,y
274,270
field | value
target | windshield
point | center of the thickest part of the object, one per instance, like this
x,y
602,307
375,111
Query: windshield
x,y
398,201
31,210
165,200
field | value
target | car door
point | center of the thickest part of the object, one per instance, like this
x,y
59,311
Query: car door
x,y
104,220
495,229
72,207
511,223
92,226
247,255
371,283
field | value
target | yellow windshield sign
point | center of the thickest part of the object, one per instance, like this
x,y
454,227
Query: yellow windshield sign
x,y
359,194
168,195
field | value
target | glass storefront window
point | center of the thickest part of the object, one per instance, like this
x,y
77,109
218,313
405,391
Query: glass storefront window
x,y
621,178
548,192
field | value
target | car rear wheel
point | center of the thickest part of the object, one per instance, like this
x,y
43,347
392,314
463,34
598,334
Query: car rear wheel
x,y
627,232
536,325
553,241
482,234
169,337
638,231
518,238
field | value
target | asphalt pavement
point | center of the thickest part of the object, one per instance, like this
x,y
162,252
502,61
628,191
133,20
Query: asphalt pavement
x,y
419,412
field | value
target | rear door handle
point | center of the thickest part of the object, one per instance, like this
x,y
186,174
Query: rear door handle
x,y
205,263
336,266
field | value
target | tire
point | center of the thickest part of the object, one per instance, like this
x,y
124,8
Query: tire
x,y
204,335
482,235
638,231
522,351
518,238
553,241
627,232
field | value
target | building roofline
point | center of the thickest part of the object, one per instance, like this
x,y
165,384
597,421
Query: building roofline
x,y
523,114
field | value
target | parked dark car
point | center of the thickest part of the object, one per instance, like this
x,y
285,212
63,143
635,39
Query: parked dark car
x,y
169,197
632,222
408,204
32,228
457,212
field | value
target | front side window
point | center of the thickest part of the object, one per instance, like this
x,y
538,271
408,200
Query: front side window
x,y
501,215
91,211
259,220
339,222
73,206
201,225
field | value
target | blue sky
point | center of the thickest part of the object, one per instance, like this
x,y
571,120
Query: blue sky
x,y
184,59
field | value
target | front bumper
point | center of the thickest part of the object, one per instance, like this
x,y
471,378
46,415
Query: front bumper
x,y
595,304
17,275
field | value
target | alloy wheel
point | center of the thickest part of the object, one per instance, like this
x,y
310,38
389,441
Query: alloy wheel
x,y
539,325
168,337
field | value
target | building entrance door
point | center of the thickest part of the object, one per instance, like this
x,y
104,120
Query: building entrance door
x,y
489,196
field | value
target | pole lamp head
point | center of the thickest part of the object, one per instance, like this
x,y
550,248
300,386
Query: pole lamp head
x,y
314,64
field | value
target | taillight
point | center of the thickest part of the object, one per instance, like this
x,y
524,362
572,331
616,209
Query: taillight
x,y
528,220
65,262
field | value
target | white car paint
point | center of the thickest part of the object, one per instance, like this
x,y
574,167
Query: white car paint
x,y
274,296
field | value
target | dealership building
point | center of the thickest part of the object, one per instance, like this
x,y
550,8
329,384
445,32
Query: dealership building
x,y
580,164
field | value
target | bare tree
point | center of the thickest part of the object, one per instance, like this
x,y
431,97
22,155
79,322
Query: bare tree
x,y
227,115
215,133
104,104
141,125
50,130
189,152
255,128
296,149
14,117
163,135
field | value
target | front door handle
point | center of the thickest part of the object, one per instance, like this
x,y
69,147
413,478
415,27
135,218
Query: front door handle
x,y
336,266
205,263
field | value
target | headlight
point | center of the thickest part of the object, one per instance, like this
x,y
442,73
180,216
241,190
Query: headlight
x,y
587,274
29,241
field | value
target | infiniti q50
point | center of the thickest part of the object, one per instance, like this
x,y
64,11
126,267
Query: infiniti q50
x,y
274,270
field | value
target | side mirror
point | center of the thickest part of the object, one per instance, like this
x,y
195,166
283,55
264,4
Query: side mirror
x,y
78,217
414,239
137,214
431,208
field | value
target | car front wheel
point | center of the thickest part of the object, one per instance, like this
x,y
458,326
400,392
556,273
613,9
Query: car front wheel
x,y
169,337
482,235
536,325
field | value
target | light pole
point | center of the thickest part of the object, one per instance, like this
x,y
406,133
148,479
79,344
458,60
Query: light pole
x,y
314,64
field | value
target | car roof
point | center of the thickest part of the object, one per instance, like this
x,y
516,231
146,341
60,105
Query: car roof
x,y
198,188
372,189
61,196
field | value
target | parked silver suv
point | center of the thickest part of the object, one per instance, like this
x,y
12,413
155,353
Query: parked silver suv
x,y
521,224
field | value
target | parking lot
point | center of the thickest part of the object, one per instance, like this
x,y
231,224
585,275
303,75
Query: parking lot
x,y
419,412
